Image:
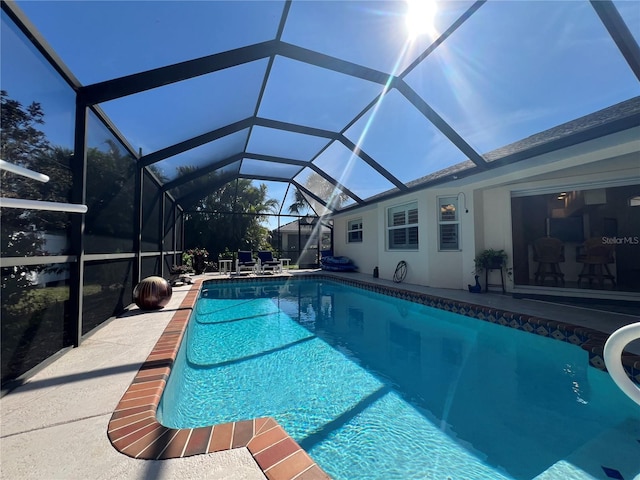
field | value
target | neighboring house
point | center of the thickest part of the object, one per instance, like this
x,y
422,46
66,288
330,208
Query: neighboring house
x,y
588,190
299,241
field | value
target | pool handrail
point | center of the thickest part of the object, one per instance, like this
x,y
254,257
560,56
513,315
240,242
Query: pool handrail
x,y
613,359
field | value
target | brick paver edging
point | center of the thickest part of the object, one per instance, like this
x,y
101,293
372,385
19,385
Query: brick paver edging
x,y
134,430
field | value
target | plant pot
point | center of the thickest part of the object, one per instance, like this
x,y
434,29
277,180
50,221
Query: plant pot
x,y
199,264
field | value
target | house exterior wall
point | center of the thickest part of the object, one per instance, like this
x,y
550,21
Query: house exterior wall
x,y
417,268
608,161
426,265
450,269
365,253
597,164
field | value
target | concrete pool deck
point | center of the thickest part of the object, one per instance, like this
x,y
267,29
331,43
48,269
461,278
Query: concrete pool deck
x,y
55,425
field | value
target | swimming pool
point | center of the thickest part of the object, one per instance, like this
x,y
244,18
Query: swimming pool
x,y
378,387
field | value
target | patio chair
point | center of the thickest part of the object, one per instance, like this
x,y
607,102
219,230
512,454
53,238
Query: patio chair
x,y
267,262
245,261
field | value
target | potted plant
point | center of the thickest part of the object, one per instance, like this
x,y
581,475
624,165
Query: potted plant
x,y
227,254
199,258
490,259
187,259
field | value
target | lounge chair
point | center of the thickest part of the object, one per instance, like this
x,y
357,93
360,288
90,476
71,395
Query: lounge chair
x,y
266,262
245,261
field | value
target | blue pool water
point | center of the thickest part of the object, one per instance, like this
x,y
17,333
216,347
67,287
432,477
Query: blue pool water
x,y
377,387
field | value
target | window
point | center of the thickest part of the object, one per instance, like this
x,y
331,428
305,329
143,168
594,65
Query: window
x,y
354,231
402,227
448,223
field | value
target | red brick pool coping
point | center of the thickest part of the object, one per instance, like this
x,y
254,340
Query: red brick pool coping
x,y
134,430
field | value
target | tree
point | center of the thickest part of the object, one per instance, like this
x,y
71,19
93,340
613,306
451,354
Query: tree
x,y
229,217
22,143
300,204
31,316
21,139
332,196
110,193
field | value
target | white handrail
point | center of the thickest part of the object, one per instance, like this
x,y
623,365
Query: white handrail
x,y
42,205
35,204
613,359
25,172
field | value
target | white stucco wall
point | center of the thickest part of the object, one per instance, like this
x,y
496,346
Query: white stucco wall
x,y
495,216
363,254
450,269
426,265
417,268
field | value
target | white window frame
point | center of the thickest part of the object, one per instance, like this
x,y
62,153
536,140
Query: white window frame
x,y
354,227
404,217
448,223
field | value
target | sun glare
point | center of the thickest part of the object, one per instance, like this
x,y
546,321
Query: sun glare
x,y
420,16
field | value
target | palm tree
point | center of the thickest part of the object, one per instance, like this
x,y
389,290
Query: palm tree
x,y
300,204
332,196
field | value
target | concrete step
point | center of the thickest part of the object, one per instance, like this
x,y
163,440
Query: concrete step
x,y
614,454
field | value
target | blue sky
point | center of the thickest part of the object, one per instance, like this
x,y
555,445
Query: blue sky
x,y
514,69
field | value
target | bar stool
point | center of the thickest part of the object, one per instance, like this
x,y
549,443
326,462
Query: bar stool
x,y
595,259
549,253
